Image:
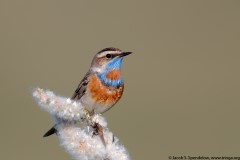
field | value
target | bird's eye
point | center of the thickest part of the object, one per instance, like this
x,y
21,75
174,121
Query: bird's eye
x,y
108,55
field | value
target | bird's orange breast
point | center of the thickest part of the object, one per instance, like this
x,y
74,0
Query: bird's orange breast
x,y
102,94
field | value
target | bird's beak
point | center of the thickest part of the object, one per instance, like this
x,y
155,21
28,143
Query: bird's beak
x,y
124,54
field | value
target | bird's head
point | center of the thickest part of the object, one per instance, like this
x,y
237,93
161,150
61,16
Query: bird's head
x,y
107,65
108,59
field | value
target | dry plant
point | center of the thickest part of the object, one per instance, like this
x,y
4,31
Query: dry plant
x,y
81,142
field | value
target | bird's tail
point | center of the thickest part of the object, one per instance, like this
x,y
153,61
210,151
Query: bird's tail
x,y
50,132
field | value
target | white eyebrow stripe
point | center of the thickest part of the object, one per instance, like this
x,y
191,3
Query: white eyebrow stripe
x,y
107,52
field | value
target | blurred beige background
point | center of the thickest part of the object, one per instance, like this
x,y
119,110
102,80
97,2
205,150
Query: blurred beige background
x,y
182,84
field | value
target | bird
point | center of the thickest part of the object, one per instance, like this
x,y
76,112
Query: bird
x,y
102,86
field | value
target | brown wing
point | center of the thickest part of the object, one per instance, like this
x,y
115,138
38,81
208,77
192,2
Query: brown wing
x,y
81,89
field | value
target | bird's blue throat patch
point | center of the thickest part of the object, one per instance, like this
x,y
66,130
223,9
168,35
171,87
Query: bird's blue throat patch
x,y
115,63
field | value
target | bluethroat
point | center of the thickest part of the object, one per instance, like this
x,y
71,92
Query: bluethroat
x,y
102,86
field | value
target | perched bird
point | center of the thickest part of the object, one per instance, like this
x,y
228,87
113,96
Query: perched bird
x,y
102,85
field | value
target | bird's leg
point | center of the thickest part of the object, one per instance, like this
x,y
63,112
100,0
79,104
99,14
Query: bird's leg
x,y
87,117
98,130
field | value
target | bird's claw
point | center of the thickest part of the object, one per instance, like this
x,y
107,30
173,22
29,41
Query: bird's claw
x,y
98,131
